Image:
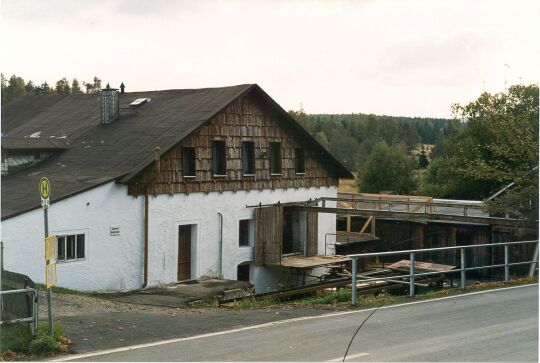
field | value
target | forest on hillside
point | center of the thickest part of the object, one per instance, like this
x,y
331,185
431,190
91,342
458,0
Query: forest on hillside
x,y
351,138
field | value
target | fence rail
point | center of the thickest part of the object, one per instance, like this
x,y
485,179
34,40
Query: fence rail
x,y
33,319
463,268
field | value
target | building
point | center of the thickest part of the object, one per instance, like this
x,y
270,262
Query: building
x,y
154,187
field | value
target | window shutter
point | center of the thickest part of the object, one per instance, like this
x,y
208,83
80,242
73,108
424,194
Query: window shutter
x,y
312,234
268,235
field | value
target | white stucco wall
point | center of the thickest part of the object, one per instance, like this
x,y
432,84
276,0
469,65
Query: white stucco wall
x,y
111,262
115,263
169,212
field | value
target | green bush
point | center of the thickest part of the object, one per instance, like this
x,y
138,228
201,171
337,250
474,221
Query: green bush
x,y
44,344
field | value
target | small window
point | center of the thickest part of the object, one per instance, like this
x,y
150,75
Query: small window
x,y
219,160
248,158
61,248
242,272
188,161
243,239
71,247
275,158
300,166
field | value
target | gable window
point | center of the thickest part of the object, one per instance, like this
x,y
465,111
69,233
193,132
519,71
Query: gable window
x,y
219,160
299,161
71,247
248,158
188,162
245,235
275,158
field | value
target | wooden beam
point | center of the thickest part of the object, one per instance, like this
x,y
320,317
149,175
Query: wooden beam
x,y
366,224
411,216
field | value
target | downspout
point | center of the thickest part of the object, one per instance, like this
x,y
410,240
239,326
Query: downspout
x,y
145,238
220,245
146,213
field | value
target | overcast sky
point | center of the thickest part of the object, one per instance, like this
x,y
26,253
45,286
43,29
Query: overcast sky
x,y
411,58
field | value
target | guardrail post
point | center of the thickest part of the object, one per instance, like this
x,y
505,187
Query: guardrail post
x,y
506,266
411,279
535,257
463,276
354,262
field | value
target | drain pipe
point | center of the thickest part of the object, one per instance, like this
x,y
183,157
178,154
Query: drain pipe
x,y
220,245
145,238
157,159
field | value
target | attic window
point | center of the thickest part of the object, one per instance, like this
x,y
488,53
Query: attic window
x,y
188,162
248,158
139,101
299,159
219,160
275,158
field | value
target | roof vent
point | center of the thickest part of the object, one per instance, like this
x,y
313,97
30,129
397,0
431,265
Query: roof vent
x,y
139,101
109,105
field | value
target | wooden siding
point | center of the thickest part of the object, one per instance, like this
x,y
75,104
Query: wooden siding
x,y
243,120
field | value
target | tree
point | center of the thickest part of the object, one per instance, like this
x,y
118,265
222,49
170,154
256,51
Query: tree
x,y
75,87
387,168
94,87
62,87
45,89
30,88
422,159
497,145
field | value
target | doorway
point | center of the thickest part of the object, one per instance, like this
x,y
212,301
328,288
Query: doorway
x,y
184,252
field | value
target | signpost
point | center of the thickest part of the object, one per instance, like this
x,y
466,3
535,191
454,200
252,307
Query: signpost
x,y
50,248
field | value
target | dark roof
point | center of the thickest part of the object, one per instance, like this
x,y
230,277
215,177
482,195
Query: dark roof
x,y
121,150
32,143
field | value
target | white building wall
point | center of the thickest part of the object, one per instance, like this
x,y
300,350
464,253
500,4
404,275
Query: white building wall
x,y
111,263
115,263
169,212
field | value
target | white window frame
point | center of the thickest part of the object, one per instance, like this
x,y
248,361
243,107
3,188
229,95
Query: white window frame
x,y
65,235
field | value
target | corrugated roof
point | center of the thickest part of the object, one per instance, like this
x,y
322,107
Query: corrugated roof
x,y
117,151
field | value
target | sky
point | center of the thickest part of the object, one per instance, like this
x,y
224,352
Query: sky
x,y
401,58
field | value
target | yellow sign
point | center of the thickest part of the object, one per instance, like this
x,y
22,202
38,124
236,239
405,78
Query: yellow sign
x,y
44,188
50,275
50,249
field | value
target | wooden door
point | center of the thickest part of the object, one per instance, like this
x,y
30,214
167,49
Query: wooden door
x,y
184,252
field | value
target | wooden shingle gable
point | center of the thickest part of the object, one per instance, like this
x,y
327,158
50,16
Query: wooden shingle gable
x,y
247,119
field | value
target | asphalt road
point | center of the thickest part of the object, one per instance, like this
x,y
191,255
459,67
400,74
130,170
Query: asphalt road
x,y
498,325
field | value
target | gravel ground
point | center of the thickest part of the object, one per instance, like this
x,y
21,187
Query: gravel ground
x,y
65,305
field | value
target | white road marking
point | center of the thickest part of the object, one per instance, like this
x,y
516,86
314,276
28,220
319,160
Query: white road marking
x,y
349,357
231,331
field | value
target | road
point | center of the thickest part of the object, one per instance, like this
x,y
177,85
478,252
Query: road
x,y
500,325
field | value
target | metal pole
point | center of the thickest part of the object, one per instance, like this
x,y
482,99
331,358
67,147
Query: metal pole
x,y
506,267
2,255
533,265
49,290
411,272
463,276
354,262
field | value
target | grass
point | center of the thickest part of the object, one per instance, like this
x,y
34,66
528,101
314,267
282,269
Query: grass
x,y
17,342
342,298
63,290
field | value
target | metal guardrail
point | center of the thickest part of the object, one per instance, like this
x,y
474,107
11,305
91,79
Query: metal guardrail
x,y
463,268
31,319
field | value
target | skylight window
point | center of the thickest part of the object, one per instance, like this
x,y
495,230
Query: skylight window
x,y
139,101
